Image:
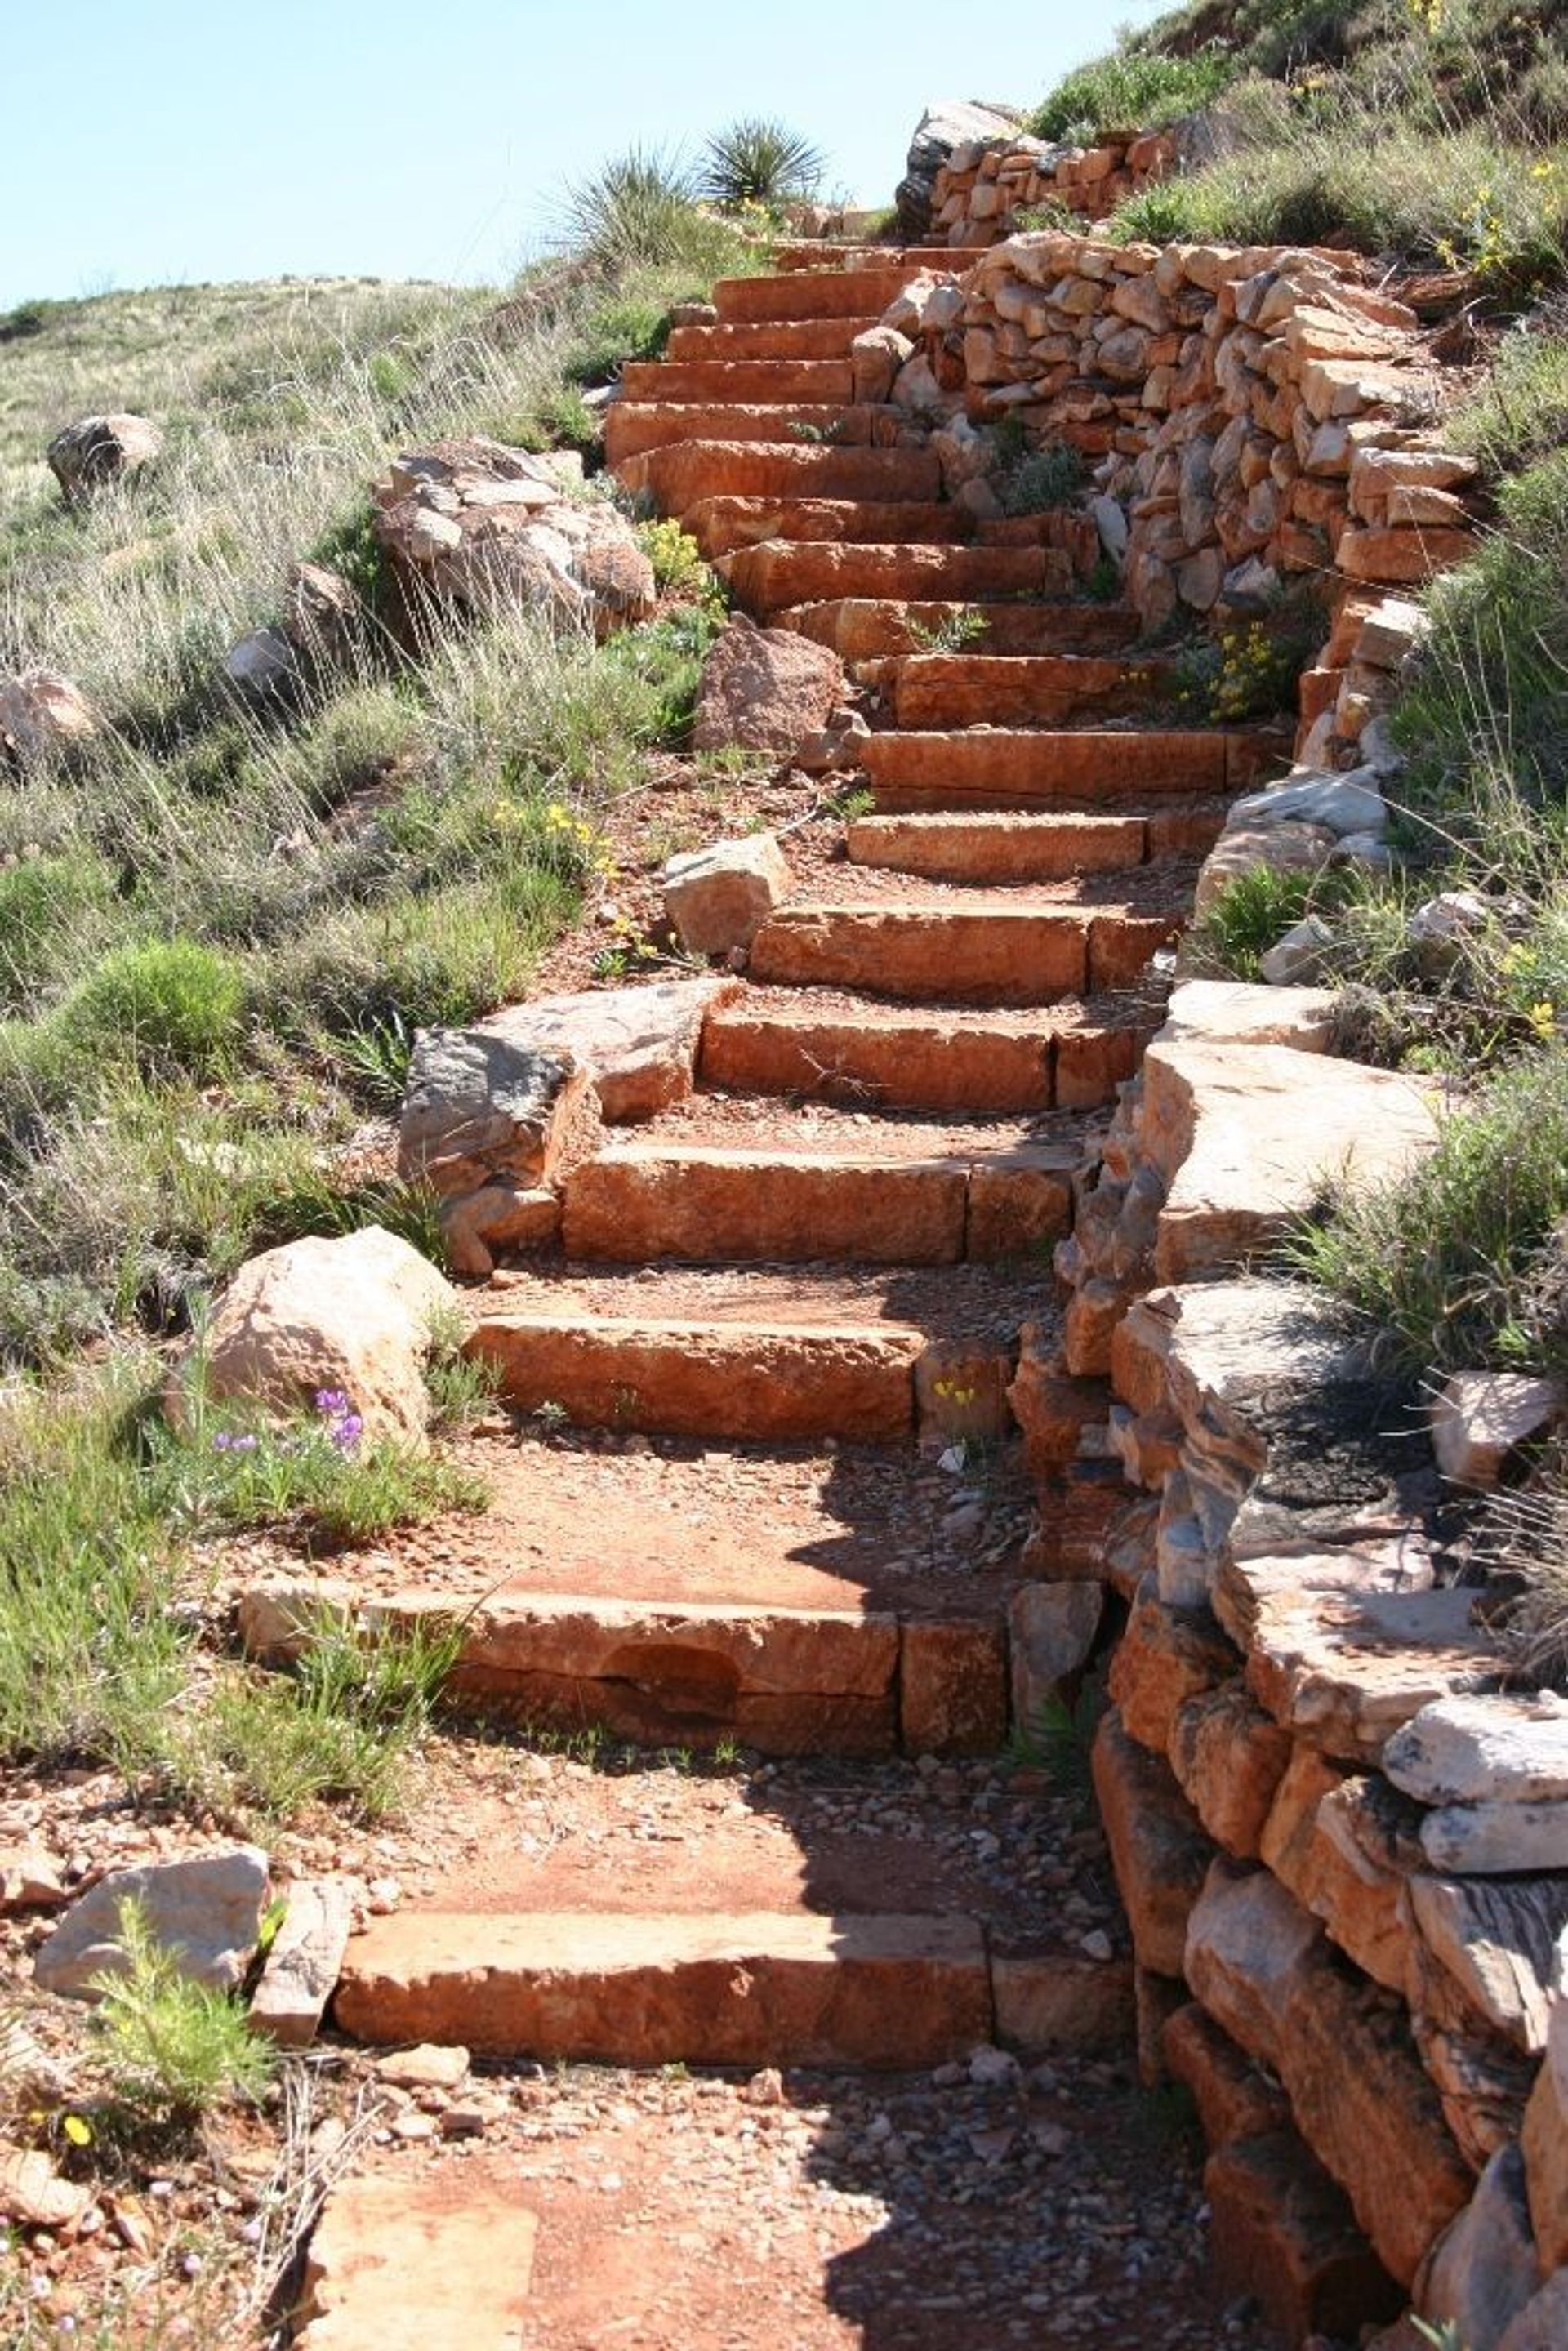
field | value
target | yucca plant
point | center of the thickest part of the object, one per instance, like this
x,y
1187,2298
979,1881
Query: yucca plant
x,y
759,162
637,207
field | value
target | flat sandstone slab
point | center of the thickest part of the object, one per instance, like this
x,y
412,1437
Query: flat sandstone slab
x,y
421,2261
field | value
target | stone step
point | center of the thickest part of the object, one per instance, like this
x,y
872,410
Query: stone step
x,y
828,381
931,691
1007,950
811,254
1003,768
871,628
858,1051
894,1195
815,294
747,1989
782,338
766,1355
721,524
776,574
960,847
634,426
679,1596
677,476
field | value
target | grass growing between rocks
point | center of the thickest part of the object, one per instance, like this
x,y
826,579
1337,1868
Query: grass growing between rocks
x,y
172,2049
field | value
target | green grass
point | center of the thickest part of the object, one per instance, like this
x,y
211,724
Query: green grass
x,y
1443,1265
1131,90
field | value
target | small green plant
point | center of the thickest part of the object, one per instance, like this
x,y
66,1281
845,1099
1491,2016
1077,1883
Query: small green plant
x,y
463,1387
677,559
1248,670
959,629
816,436
1103,584
173,2050
173,1007
759,161
1131,90
551,1417
637,208
1042,481
1058,1739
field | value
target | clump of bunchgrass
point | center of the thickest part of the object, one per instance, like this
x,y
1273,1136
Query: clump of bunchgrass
x,y
760,161
1131,90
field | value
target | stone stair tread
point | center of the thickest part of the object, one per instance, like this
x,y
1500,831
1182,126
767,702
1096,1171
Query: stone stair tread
x,y
781,338
741,1130
815,294
908,1303
871,628
774,575
677,1525
634,426
745,381
680,473
796,1987
1020,767
817,1007
721,524
1002,849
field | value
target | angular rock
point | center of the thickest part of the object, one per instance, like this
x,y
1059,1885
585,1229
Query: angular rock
x,y
1481,2272
1352,1874
1246,1136
1482,2085
499,1218
479,1105
1497,1943
262,665
1284,2235
952,1687
300,1972
1234,2098
1052,2002
1482,1418
1341,803
1051,1632
43,712
1249,1944
422,2260
1229,1757
1158,1851
1546,2135
30,1880
1165,1657
946,124
1543,2324
1496,1748
321,613
428,2066
352,1314
764,690
718,898
97,450
205,1912
1496,1840
32,2193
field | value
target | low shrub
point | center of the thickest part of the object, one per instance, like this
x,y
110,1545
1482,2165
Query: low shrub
x,y
1043,481
173,1008
174,2049
1519,414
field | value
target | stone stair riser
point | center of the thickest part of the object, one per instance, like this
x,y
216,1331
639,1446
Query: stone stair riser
x,y
819,293
681,472
1014,849
796,339
873,627
999,956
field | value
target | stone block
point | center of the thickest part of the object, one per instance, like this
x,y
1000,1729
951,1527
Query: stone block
x,y
718,898
1158,1851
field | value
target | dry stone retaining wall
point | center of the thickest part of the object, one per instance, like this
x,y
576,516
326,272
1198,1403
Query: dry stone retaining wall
x,y
985,183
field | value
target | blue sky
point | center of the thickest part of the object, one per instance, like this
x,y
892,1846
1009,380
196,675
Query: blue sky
x,y
164,140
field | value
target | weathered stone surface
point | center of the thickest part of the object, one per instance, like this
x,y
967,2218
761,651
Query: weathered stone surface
x,y
321,612
1482,1417
1284,2234
1493,1839
499,1217
1545,2133
30,1880
1481,2272
1159,1853
1543,2324
1355,1878
718,898
300,1971
205,1912
429,2065
953,1687
1052,2002
1246,1136
1051,1632
421,2260
947,124
790,1987
32,2193
496,530
1249,1943
480,1104
1165,1657
1341,803
43,712
1346,1646
1234,2098
1496,1750
1482,2085
261,666
764,690
96,449
1498,1942
638,1045
1229,1757
352,1314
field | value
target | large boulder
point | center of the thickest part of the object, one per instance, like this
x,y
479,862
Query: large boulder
x,y
499,531
352,1314
947,123
204,1911
97,450
764,690
43,712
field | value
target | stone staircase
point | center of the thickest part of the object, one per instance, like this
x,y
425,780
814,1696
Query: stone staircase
x,y
832,1254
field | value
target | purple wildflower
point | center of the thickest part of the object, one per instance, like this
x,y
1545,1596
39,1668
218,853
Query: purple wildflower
x,y
332,1403
226,1443
347,1430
